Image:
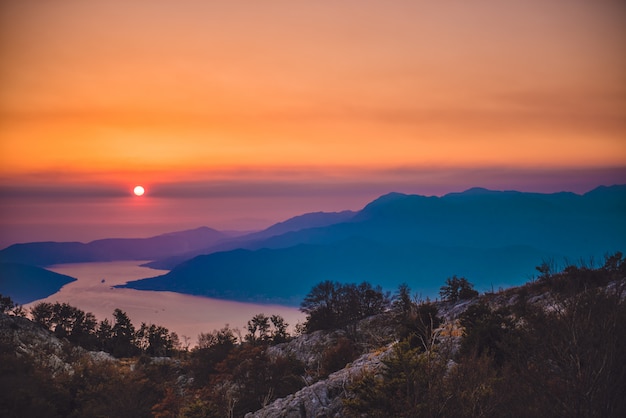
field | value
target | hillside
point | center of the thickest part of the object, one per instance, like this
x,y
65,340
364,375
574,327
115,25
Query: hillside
x,y
552,347
494,238
25,284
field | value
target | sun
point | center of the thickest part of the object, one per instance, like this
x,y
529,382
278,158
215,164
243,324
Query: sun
x,y
139,191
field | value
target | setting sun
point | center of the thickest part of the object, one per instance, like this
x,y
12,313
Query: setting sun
x,y
139,191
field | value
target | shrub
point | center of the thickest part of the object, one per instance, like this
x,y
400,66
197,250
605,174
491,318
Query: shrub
x,y
457,288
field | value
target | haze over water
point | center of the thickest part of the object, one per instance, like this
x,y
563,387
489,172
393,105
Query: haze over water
x,y
239,117
186,315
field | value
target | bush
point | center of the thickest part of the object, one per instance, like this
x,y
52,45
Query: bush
x,y
332,305
336,357
457,288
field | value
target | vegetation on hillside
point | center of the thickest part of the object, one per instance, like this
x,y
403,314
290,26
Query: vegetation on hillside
x,y
553,347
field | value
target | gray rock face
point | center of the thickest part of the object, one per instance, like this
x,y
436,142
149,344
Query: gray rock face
x,y
29,339
307,348
324,398
26,338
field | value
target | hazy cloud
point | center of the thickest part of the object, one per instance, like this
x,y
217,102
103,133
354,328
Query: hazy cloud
x,y
309,182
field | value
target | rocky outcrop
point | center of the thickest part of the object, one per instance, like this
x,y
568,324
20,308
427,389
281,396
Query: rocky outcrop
x,y
323,398
307,348
25,338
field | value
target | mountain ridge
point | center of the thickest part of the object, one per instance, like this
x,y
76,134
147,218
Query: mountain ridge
x,y
110,249
251,240
417,239
420,240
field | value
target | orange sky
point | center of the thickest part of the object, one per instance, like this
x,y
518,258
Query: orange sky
x,y
157,91
185,85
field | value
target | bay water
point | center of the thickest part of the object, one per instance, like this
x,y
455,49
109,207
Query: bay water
x,y
186,315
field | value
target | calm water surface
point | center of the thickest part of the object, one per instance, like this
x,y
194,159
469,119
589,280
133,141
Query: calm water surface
x,y
186,315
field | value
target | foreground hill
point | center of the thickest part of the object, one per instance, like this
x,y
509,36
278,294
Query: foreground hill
x,y
25,284
552,347
494,238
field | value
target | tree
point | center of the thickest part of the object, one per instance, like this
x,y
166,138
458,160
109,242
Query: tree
x,y
123,335
42,313
546,270
223,337
104,335
615,264
155,340
212,348
403,311
84,329
7,305
371,300
321,305
333,305
457,288
67,321
279,333
263,329
426,322
402,305
258,324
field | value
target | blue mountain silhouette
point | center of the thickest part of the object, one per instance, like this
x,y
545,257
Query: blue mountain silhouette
x,y
493,238
48,253
26,284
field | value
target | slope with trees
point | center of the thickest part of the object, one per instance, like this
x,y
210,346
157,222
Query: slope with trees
x,y
553,347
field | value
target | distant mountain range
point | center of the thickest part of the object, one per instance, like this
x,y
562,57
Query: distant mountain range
x,y
258,239
492,238
111,249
